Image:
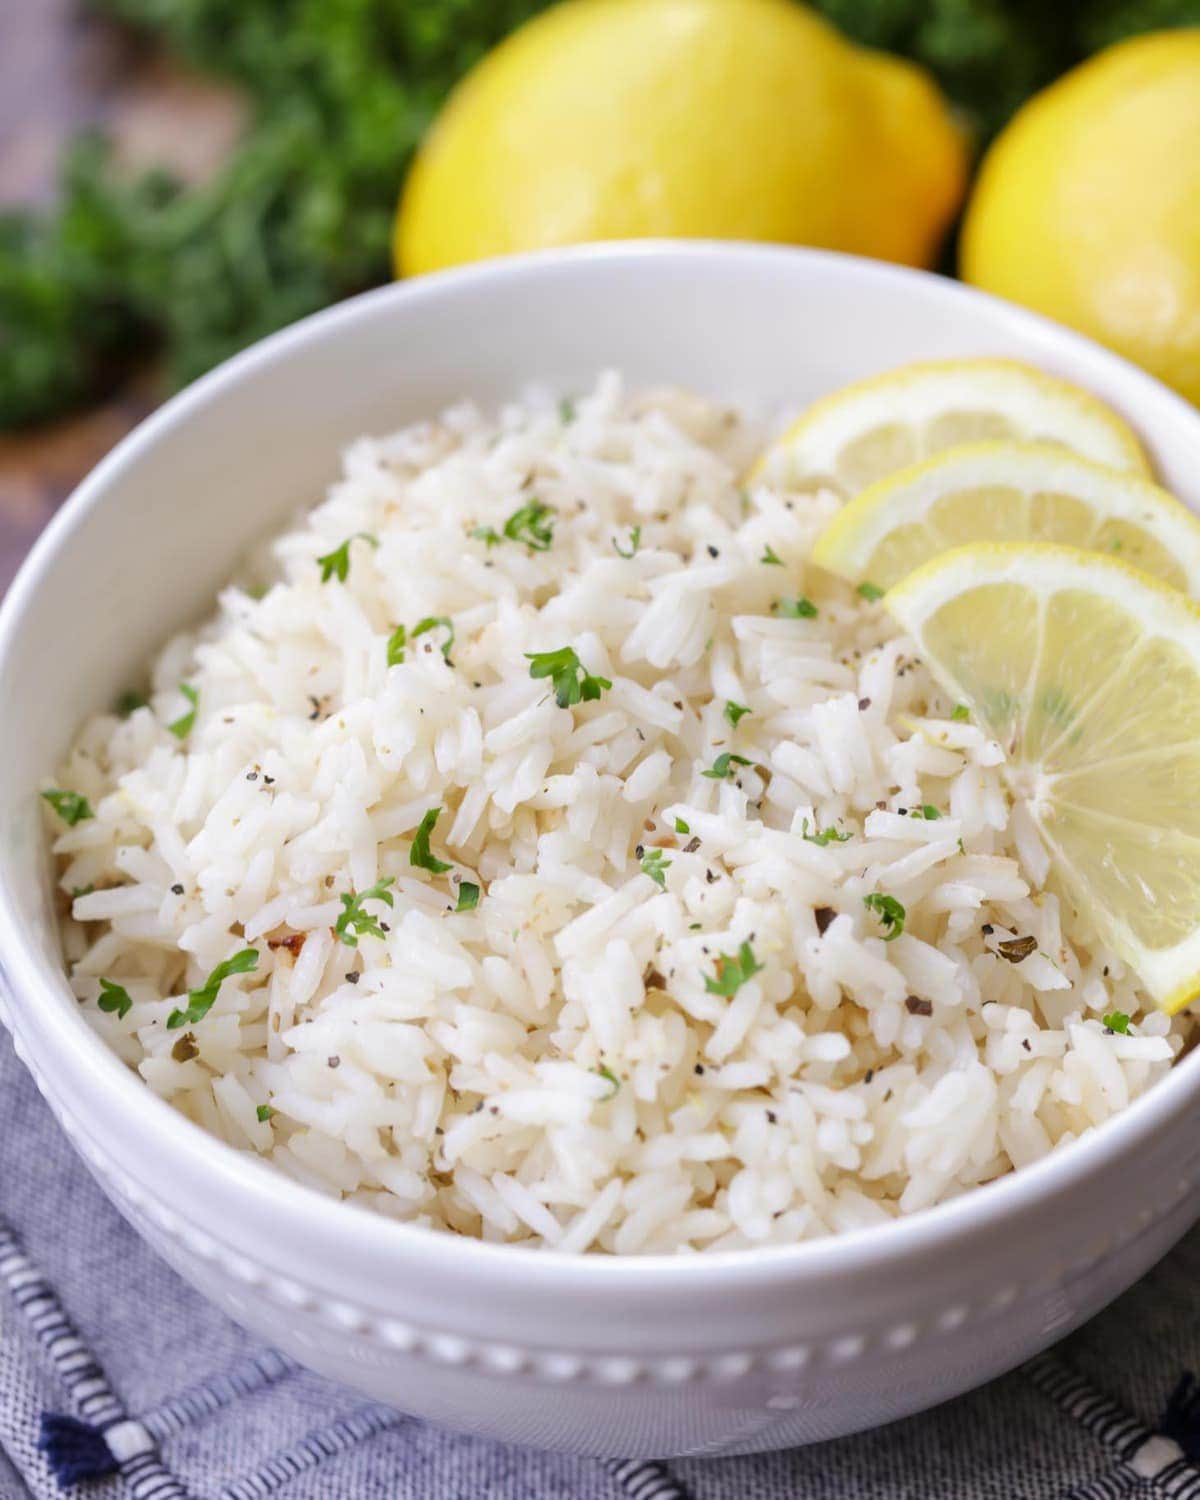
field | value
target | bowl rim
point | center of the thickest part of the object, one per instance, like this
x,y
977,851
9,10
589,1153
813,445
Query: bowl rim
x,y
208,1163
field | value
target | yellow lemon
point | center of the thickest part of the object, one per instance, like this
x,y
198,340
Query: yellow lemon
x,y
728,119
1088,205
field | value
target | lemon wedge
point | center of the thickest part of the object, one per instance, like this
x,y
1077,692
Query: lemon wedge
x,y
1006,491
1088,673
866,431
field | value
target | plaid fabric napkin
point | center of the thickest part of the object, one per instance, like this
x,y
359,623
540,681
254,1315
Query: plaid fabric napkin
x,y
118,1382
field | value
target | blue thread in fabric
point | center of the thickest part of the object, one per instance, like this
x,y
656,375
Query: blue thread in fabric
x,y
74,1450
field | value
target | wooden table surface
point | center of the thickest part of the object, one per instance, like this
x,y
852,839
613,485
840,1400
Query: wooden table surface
x,y
59,71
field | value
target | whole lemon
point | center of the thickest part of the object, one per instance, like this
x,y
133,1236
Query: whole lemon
x,y
1088,205
730,119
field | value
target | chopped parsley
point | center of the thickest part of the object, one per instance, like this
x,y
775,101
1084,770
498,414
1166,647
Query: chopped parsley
x,y
571,683
870,592
395,646
635,541
419,854
70,806
114,997
733,971
468,896
720,767
264,1113
961,713
611,1078
487,534
822,836
681,826
795,609
890,913
735,712
200,1001
770,559
436,622
336,564
355,921
130,702
926,811
531,525
185,723
1117,1021
656,866
566,411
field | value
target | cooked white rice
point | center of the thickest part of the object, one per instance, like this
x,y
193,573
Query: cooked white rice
x,y
550,1068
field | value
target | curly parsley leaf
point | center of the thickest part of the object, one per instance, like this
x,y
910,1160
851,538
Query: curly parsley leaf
x,y
200,1001
890,913
185,723
733,971
419,855
336,564
822,836
720,768
264,1113
114,997
571,683
356,921
70,806
532,525
1117,1021
735,712
656,865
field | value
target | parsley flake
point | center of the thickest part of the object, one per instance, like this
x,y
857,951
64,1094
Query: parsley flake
x,y
114,997
656,866
681,826
566,411
796,609
733,971
890,913
609,1077
870,592
770,559
531,525
129,703
336,564
419,854
572,684
437,622
720,767
736,711
822,836
264,1113
487,534
961,713
397,641
185,723
927,811
70,806
468,896
200,1001
355,921
635,541
1117,1021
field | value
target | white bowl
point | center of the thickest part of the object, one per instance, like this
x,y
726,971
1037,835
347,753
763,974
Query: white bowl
x,y
721,1353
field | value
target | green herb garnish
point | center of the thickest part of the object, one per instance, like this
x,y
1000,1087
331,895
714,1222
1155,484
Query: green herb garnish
x,y
566,411
635,541
870,591
336,564
70,806
532,526
681,826
927,811
419,854
609,1077
468,896
1117,1021
436,622
720,767
355,921
733,971
822,836
185,723
200,1001
395,646
656,866
961,713
130,702
264,1113
770,559
890,913
736,711
571,683
114,997
795,609
487,534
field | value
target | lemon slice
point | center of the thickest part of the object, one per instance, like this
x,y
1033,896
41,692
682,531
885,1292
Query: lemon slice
x,y
868,430
1013,492
1088,673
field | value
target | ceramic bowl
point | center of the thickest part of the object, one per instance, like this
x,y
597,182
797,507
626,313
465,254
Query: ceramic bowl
x,y
721,1353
